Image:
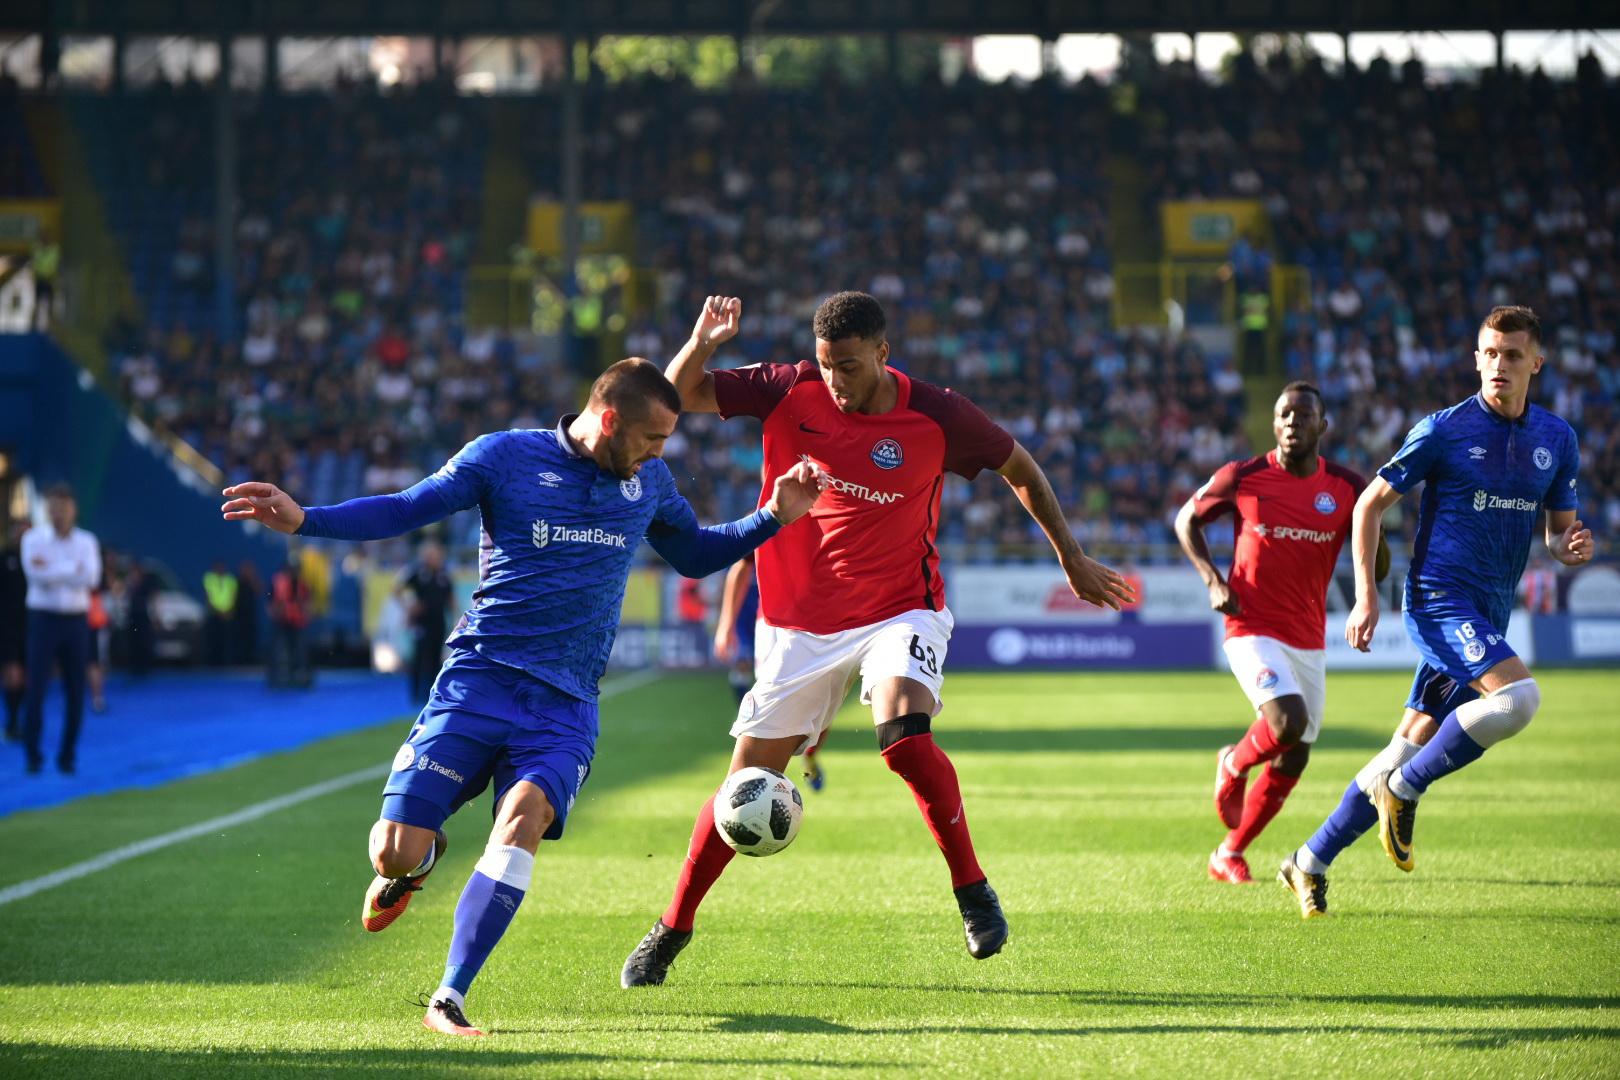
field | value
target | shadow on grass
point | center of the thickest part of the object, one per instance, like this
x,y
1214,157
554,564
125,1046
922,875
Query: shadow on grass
x,y
1182,999
1092,739
276,899
1604,885
445,1058
1472,1038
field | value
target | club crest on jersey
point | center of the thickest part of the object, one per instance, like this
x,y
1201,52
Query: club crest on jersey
x,y
887,454
630,489
1474,651
1543,458
1325,502
1265,678
405,758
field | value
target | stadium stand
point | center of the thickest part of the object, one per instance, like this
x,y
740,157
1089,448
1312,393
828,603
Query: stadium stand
x,y
978,213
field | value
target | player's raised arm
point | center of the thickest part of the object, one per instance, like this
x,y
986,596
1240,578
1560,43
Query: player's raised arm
x,y
1366,536
1568,540
1090,580
716,324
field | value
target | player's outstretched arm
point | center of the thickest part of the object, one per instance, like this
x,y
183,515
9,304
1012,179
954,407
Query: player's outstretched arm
x,y
695,552
264,503
716,324
1366,534
1090,580
1568,540
1190,532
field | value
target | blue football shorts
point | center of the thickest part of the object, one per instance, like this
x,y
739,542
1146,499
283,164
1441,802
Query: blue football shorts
x,y
489,724
1454,638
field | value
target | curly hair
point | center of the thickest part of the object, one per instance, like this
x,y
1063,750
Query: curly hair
x,y
850,314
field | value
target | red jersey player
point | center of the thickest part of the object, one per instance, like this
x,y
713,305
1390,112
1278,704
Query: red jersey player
x,y
1291,515
856,592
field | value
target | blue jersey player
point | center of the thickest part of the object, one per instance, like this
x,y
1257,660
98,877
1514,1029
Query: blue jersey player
x,y
515,705
1490,466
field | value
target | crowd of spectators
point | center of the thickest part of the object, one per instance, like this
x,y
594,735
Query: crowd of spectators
x,y
1416,206
979,215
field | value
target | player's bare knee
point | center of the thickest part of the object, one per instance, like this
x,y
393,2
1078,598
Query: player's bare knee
x,y
1287,718
1501,714
523,817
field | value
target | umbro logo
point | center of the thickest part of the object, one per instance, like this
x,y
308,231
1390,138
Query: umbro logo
x,y
549,479
1476,452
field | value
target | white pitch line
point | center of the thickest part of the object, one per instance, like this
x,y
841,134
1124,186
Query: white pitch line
x,y
24,889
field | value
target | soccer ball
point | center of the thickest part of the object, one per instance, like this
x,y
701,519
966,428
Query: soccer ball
x,y
757,811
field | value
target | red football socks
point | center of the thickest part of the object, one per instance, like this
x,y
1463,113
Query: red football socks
x,y
1265,798
932,778
1258,744
706,858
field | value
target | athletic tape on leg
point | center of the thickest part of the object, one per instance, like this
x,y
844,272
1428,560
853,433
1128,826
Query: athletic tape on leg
x,y
1500,715
1397,753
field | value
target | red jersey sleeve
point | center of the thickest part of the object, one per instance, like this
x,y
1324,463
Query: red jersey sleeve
x,y
1218,496
754,390
973,441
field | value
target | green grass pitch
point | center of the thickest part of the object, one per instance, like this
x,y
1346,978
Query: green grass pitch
x,y
241,954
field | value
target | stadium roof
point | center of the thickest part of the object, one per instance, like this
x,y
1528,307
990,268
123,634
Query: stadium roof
x,y
1047,18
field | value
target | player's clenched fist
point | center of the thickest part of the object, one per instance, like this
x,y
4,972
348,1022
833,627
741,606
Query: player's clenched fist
x,y
264,503
718,321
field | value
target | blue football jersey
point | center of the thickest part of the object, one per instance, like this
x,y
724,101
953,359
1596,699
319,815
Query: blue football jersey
x,y
1488,479
557,541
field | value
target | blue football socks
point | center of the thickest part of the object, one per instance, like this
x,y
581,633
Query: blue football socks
x,y
488,903
1448,751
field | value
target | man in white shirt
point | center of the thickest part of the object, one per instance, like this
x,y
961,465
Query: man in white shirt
x,y
63,564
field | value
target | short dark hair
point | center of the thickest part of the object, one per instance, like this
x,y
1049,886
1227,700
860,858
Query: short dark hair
x,y
1303,387
631,386
850,314
61,490
1511,318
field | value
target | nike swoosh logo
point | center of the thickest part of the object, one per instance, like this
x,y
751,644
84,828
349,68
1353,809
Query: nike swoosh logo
x,y
809,430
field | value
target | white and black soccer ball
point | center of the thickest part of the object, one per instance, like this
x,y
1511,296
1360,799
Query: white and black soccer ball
x,y
757,811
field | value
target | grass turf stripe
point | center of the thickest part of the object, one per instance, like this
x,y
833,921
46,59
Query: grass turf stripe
x,y
24,889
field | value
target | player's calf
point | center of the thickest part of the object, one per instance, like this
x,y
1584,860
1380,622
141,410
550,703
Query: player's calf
x,y
388,897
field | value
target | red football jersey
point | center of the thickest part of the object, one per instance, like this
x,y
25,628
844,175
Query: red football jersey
x,y
865,552
1287,532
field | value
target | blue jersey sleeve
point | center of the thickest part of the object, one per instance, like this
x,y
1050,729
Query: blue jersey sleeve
x,y
1415,459
695,551
461,483
1564,494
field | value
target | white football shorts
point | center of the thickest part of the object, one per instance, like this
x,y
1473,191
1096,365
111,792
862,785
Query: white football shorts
x,y
801,679
1267,669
